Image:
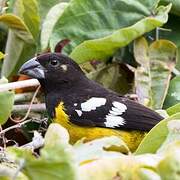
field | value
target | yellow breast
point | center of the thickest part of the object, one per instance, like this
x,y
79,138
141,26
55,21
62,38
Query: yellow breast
x,y
131,138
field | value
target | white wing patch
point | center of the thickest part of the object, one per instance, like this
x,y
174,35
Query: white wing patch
x,y
113,119
92,104
119,107
79,112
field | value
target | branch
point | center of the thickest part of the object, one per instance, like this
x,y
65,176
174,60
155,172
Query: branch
x,y
19,125
19,84
25,107
23,97
15,126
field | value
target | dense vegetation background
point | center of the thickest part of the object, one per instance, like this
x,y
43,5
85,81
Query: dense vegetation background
x,y
132,47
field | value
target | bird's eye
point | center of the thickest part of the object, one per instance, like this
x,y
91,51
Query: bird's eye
x,y
54,62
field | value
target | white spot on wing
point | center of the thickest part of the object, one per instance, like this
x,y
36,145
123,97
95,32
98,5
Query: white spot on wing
x,y
93,103
120,106
113,119
75,104
79,112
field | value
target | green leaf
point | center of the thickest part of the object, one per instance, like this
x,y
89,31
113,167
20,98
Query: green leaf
x,y
152,76
18,51
56,159
27,10
6,103
13,21
97,149
172,137
56,134
172,33
49,22
157,135
169,166
21,44
8,170
104,48
103,17
173,109
122,167
45,6
173,95
163,56
142,72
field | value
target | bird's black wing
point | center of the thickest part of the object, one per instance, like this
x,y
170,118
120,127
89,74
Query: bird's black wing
x,y
113,112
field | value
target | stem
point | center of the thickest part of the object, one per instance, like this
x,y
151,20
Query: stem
x,y
19,84
157,34
29,109
15,126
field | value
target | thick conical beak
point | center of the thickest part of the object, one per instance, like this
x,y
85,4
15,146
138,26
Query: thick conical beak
x,y
33,69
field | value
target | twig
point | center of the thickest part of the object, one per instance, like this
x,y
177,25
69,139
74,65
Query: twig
x,y
15,126
3,137
19,84
157,34
25,107
29,109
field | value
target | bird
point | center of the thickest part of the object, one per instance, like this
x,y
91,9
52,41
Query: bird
x,y
84,107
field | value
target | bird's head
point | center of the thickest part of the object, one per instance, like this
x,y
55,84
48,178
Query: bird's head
x,y
52,67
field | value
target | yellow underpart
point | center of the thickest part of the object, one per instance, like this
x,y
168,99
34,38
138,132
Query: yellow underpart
x,y
131,138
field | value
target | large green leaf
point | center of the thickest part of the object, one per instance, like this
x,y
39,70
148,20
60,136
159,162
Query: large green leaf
x,y
21,44
173,109
83,20
45,6
56,159
97,149
18,51
6,103
163,56
168,167
103,48
172,137
173,95
13,21
152,76
8,170
155,138
27,10
142,73
172,33
49,22
122,167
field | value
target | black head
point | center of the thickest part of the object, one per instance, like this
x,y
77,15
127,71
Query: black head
x,y
53,68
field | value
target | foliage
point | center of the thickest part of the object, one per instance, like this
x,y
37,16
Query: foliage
x,y
130,46
6,103
152,77
93,160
